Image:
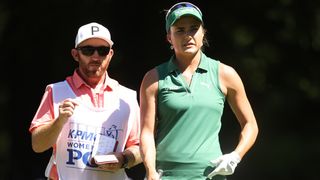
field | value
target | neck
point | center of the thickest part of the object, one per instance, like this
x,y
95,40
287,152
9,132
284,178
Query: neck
x,y
93,81
188,62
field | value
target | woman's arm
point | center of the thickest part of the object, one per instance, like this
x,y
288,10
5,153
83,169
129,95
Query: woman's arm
x,y
233,87
148,101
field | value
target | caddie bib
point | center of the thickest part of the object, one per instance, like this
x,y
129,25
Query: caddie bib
x,y
75,142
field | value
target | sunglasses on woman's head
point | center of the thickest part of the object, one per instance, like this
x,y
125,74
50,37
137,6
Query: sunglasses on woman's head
x,y
180,5
89,50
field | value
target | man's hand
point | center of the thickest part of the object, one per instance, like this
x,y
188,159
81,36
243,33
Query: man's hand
x,y
113,166
225,164
66,109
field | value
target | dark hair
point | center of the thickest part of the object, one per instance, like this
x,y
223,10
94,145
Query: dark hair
x,y
205,40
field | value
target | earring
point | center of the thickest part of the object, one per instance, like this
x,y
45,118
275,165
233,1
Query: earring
x,y
171,47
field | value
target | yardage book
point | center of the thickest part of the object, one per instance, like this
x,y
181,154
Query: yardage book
x,y
102,146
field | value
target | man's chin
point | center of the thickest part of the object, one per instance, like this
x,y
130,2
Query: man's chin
x,y
95,74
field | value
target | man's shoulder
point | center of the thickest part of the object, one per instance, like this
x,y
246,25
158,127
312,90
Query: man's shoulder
x,y
126,91
55,84
119,87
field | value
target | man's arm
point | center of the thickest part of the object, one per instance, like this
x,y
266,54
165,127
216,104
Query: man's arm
x,y
133,155
45,136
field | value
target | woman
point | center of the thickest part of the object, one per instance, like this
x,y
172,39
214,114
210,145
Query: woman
x,y
182,102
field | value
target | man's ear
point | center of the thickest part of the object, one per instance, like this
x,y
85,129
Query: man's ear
x,y
111,52
75,54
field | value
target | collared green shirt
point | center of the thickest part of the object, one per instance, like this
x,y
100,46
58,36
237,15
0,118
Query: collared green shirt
x,y
189,119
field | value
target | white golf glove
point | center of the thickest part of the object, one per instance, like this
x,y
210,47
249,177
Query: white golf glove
x,y
225,164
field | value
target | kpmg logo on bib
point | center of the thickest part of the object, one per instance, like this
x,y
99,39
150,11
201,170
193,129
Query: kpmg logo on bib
x,y
80,140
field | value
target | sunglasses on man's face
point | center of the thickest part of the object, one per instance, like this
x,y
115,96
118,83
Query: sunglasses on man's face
x,y
89,50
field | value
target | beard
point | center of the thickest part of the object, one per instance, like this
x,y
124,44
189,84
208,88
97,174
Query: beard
x,y
94,70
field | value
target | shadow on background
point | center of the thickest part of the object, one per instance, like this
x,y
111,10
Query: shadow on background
x,y
274,46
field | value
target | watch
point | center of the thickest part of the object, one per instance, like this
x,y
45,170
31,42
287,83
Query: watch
x,y
125,161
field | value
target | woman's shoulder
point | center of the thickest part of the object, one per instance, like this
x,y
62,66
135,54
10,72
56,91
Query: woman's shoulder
x,y
226,70
229,77
151,75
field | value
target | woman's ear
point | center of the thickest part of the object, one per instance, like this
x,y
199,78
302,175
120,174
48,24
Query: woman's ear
x,y
169,38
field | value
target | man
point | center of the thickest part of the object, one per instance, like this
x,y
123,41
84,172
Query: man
x,y
88,114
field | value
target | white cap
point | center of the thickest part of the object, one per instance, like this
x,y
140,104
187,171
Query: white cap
x,y
93,30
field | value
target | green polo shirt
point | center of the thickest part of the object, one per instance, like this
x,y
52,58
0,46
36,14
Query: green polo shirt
x,y
189,119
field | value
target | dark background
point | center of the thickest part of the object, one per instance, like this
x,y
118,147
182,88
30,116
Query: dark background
x,y
273,44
